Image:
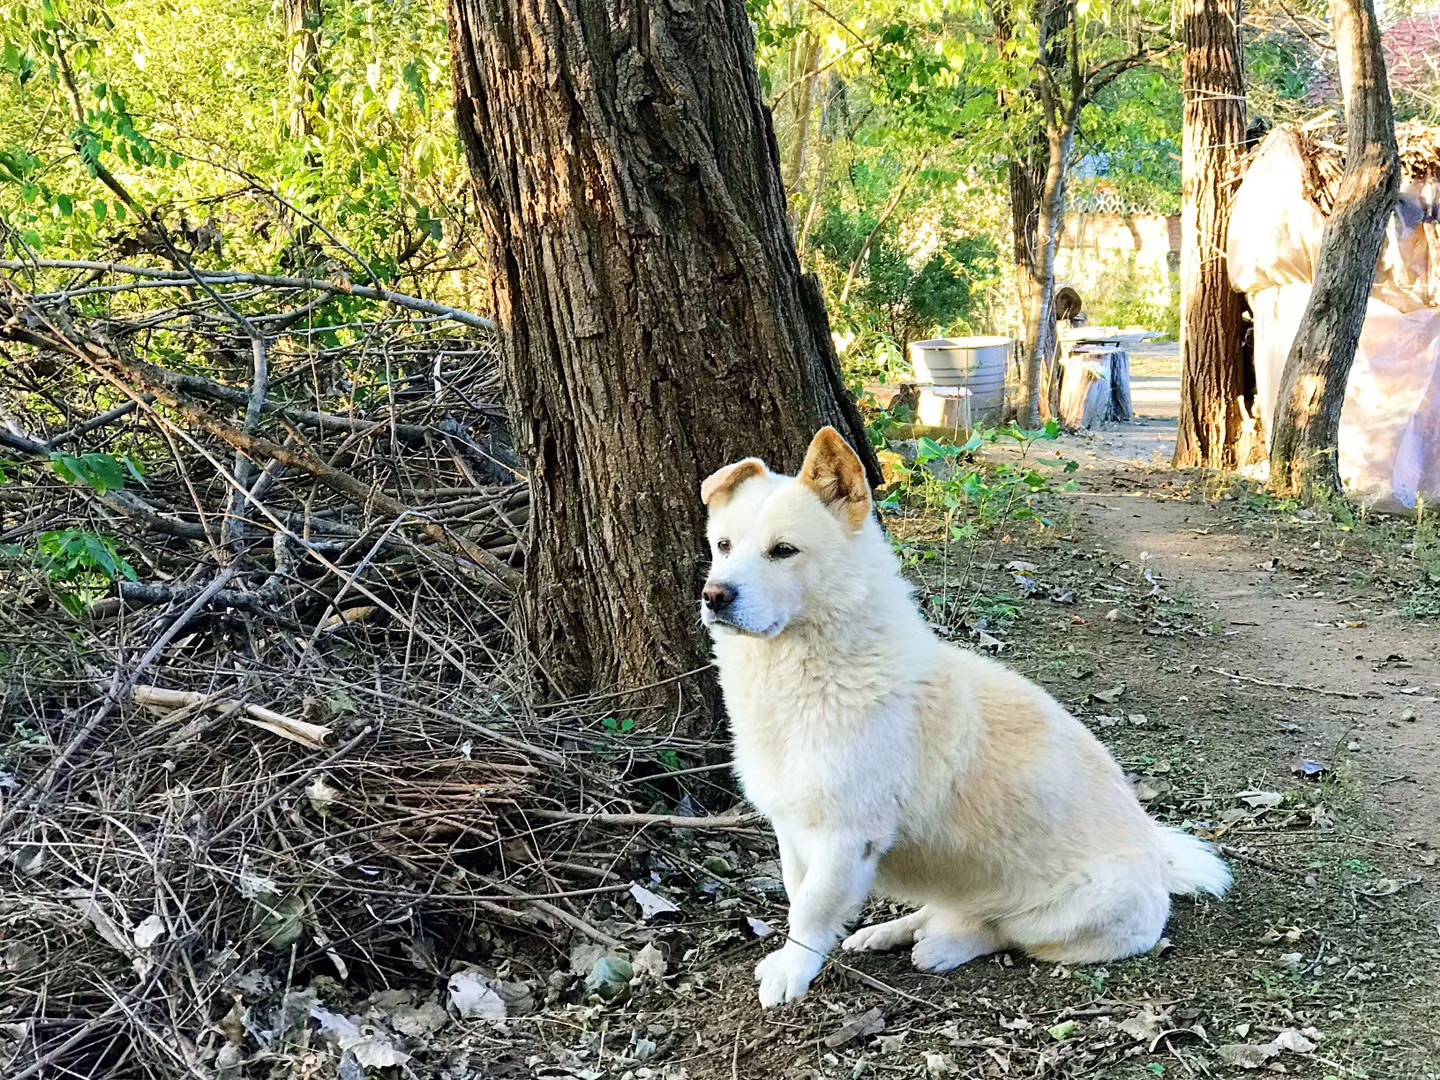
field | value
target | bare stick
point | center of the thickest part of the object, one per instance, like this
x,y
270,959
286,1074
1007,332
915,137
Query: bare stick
x,y
669,821
336,288
1282,685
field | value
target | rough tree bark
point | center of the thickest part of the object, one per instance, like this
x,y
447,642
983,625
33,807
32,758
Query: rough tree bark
x,y
1212,381
1312,390
302,32
655,322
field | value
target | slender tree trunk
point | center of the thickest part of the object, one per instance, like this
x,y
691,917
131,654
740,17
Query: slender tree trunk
x,y
1212,381
1037,202
1312,390
807,54
302,32
655,323
1041,336
1027,182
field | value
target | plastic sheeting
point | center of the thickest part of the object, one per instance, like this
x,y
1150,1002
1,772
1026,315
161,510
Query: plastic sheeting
x,y
1389,452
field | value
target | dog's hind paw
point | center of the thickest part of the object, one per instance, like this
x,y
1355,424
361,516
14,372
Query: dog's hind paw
x,y
786,974
895,934
937,952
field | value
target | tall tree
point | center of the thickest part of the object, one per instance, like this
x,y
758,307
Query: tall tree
x,y
1076,59
1212,379
1303,445
302,33
655,323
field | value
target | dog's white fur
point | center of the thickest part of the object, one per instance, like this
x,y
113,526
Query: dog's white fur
x,y
889,761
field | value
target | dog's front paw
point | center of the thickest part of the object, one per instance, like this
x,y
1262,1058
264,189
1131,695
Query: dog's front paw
x,y
786,974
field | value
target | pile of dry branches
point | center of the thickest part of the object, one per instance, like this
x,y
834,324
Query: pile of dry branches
x,y
1323,152
258,542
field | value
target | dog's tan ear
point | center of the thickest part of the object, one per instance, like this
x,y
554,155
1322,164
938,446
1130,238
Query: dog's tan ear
x,y
716,489
833,471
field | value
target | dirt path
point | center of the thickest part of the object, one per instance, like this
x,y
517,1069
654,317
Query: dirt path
x,y
1297,610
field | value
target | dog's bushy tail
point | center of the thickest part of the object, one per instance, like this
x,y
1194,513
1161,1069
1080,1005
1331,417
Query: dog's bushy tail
x,y
1191,864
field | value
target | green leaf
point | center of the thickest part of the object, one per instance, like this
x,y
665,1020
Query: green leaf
x,y
102,472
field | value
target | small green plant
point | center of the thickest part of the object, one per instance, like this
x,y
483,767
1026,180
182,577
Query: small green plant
x,y
943,478
84,564
618,727
102,472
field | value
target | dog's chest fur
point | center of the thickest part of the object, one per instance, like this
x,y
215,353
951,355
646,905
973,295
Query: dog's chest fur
x,y
821,741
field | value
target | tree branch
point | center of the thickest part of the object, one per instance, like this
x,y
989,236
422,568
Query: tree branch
x,y
233,277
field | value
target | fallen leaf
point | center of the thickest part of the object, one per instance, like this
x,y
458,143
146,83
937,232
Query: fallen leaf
x,y
759,927
1382,887
1245,1055
868,1023
1062,1031
419,1020
1293,1041
1108,697
104,925
472,996
322,795
652,904
374,1051
938,1064
1145,1025
890,1044
334,1026
649,961
150,930
1260,799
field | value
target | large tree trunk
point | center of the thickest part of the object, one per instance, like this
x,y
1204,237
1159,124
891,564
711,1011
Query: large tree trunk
x,y
655,323
1212,381
1027,181
1312,390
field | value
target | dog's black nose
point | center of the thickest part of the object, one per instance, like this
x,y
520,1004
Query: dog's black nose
x,y
717,595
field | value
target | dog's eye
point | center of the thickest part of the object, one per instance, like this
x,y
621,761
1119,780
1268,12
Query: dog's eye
x,y
782,550
722,546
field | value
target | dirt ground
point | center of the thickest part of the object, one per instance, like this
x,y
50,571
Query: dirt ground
x,y
1257,673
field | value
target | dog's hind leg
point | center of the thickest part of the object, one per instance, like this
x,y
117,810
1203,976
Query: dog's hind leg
x,y
895,934
948,939
1115,913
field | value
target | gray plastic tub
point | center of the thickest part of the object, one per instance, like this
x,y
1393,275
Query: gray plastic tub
x,y
977,363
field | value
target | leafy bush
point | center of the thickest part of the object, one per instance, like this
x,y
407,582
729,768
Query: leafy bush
x,y
924,274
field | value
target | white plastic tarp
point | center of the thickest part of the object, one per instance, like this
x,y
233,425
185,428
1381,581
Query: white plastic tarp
x,y
1389,449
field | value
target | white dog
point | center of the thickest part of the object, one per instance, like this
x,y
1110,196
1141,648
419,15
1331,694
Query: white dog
x,y
888,760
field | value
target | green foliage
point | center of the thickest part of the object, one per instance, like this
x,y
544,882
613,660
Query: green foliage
x,y
187,105
83,564
1128,300
1131,140
103,472
945,478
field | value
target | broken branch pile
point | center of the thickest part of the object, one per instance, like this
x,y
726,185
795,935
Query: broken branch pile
x,y
259,539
